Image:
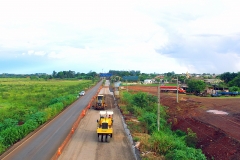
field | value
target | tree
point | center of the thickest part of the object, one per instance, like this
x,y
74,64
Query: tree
x,y
143,76
157,79
54,74
234,89
92,74
169,74
60,75
182,79
195,86
115,79
235,81
227,76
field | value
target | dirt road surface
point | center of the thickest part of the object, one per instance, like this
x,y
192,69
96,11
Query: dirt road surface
x,y
84,143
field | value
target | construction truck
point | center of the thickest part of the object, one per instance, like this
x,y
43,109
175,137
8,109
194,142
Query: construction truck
x,y
99,102
105,126
172,89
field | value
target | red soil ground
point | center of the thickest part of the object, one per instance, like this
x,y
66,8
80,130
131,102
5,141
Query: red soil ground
x,y
218,135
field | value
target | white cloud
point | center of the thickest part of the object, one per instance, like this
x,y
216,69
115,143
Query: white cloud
x,y
30,52
152,36
40,53
54,55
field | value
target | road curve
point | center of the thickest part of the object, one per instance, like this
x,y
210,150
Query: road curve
x,y
45,142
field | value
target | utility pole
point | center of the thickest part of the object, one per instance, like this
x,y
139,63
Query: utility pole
x,y
158,117
177,89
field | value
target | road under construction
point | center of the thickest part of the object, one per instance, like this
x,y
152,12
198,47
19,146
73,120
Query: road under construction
x,y
46,142
85,143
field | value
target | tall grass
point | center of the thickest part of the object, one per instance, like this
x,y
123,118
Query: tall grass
x,y
25,104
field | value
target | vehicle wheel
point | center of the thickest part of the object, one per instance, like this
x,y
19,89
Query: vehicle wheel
x,y
104,138
108,138
100,137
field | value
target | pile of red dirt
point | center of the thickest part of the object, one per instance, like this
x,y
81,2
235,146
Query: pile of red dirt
x,y
218,134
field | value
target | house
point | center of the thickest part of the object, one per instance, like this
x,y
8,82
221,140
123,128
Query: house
x,y
148,81
212,81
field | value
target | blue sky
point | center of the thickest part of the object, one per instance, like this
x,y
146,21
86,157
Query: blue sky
x,y
89,35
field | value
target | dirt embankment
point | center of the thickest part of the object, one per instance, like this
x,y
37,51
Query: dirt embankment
x,y
218,134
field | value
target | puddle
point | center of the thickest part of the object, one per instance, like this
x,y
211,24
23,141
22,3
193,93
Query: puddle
x,y
217,112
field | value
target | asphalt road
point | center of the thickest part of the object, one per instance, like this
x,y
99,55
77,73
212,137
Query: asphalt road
x,y
44,143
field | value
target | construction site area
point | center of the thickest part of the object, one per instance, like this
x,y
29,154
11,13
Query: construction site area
x,y
90,141
215,120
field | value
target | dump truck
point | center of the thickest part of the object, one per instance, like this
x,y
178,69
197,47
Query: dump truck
x,y
172,89
99,102
105,126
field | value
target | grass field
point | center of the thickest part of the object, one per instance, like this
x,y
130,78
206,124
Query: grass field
x,y
24,94
25,104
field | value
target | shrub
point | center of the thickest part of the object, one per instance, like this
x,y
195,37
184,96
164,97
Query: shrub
x,y
187,153
135,139
2,147
126,98
30,125
9,135
140,99
180,133
8,123
148,120
191,138
40,117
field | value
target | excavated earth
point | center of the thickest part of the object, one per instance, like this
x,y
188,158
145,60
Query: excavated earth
x,y
215,120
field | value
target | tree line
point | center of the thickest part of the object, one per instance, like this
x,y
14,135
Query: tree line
x,y
73,74
231,79
55,75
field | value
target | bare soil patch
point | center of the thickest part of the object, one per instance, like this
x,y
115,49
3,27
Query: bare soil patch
x,y
218,134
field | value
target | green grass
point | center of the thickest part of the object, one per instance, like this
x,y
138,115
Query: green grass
x,y
24,94
26,104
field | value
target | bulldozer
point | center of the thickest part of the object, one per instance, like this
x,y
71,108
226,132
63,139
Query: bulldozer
x,y
99,102
105,126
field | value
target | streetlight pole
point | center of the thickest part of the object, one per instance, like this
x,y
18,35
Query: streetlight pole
x,y
177,89
158,117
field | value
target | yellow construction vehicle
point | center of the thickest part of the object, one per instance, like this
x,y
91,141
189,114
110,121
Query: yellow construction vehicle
x,y
105,126
100,102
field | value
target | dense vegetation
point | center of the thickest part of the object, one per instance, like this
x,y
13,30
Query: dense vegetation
x,y
173,145
196,86
231,79
195,83
55,75
26,104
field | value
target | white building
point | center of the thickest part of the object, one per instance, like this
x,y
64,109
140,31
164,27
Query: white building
x,y
148,81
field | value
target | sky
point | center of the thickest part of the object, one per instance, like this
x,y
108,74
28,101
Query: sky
x,y
194,36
